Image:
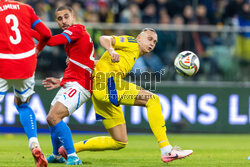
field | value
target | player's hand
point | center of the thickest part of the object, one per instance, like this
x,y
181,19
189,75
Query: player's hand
x,y
51,83
115,57
37,52
95,62
67,61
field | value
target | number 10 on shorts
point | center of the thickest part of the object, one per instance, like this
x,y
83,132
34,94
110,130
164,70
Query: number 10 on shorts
x,y
71,92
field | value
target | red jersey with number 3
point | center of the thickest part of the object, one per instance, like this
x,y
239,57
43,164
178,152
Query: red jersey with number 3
x,y
17,48
80,50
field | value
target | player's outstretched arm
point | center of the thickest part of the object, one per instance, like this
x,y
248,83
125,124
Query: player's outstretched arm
x,y
44,35
56,40
107,43
41,28
51,83
53,40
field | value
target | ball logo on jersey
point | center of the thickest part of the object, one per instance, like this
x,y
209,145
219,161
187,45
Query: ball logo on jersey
x,y
122,39
68,32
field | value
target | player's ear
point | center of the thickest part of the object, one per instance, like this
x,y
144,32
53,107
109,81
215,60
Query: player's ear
x,y
138,37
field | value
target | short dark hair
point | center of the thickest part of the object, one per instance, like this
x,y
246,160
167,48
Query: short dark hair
x,y
148,29
64,8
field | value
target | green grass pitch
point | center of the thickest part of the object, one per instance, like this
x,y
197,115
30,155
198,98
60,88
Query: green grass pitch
x,y
211,150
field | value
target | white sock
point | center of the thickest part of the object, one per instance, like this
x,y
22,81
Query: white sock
x,y
166,150
33,142
72,154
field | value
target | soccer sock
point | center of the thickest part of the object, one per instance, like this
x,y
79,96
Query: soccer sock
x,y
99,144
55,142
57,157
63,134
73,154
33,142
28,120
156,120
166,150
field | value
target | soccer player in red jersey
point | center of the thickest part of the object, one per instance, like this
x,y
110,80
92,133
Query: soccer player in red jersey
x,y
18,63
75,85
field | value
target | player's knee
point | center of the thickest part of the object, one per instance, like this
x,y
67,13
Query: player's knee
x,y
19,102
52,119
120,145
23,105
156,98
49,119
153,100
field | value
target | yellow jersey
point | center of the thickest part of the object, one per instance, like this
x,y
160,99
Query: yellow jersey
x,y
128,49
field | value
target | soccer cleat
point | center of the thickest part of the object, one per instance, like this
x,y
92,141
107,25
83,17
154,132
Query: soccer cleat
x,y
63,152
73,160
52,159
40,160
175,154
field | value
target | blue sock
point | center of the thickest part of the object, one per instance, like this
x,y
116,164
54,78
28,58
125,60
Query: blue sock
x,y
28,120
62,132
55,142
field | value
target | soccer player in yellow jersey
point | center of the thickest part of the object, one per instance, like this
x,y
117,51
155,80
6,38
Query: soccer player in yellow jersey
x,y
110,90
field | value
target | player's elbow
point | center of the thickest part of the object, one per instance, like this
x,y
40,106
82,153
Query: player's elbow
x,y
102,39
106,39
43,30
49,43
47,34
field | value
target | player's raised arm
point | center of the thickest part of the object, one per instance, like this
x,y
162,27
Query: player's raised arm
x,y
43,31
53,40
57,40
107,43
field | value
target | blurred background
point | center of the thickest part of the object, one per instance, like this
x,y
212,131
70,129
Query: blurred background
x,y
218,31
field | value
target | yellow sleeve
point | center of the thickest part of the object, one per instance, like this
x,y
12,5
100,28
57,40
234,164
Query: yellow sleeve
x,y
124,41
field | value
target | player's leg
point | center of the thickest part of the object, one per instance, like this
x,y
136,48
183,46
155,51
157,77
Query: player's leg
x,y
122,92
60,132
55,157
117,141
157,124
115,126
23,89
103,98
28,120
155,117
65,103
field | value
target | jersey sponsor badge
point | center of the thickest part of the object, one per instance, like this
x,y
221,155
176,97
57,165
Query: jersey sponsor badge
x,y
68,32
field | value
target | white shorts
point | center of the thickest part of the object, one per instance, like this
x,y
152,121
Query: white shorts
x,y
72,96
23,88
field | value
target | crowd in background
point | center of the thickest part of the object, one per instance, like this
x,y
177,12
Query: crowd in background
x,y
223,55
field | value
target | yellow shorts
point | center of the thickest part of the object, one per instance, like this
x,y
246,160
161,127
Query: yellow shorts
x,y
108,95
